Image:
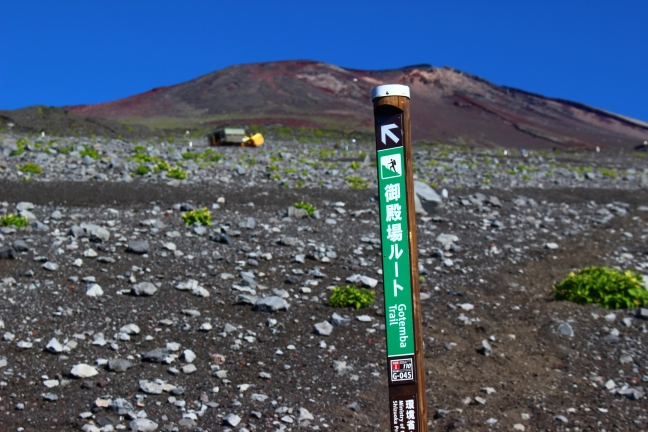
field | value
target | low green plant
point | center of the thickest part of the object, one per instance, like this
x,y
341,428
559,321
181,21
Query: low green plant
x,y
31,168
604,286
21,145
351,296
357,182
189,155
162,166
142,170
66,150
15,220
310,208
202,216
177,173
606,172
89,152
300,184
355,165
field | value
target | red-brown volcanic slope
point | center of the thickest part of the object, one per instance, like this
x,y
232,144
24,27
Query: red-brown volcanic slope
x,y
447,104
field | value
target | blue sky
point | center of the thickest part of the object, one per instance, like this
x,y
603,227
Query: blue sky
x,y
72,52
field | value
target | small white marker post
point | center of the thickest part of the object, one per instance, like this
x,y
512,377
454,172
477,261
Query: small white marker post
x,y
405,360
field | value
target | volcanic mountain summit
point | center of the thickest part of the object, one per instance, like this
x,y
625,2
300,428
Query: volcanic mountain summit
x,y
446,105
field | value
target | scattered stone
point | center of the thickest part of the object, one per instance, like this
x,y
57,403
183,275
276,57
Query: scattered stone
x,y
121,406
138,247
232,419
271,304
565,329
144,289
93,290
323,328
50,266
83,370
54,346
119,365
353,406
143,425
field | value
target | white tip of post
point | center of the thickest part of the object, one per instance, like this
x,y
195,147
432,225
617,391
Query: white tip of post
x,y
390,90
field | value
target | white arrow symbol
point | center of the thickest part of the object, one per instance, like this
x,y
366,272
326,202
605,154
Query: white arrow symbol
x,y
385,131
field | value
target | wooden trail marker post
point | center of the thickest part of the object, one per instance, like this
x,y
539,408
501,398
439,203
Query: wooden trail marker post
x,y
407,401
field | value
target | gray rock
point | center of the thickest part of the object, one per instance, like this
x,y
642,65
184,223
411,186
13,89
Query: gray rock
x,y
120,406
50,397
189,368
143,425
642,313
39,226
7,252
87,160
296,213
49,265
24,205
339,321
288,241
561,418
353,406
54,346
83,371
188,356
156,356
20,246
426,200
494,201
93,290
447,239
232,419
96,233
247,223
486,348
222,238
323,328
119,365
271,304
304,414
565,329
150,387
139,247
144,289
632,393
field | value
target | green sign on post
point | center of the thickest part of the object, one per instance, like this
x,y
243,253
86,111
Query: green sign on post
x,y
407,400
399,323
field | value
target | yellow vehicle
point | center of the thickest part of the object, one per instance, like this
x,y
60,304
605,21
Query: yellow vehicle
x,y
235,136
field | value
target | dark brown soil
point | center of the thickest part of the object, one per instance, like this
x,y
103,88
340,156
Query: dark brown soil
x,y
533,369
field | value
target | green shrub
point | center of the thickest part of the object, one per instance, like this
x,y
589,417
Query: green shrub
x,y
357,182
310,209
32,168
603,286
162,166
15,220
351,296
89,152
177,173
202,216
142,170
355,165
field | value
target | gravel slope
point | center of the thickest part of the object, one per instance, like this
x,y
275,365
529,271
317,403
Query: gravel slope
x,y
260,370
